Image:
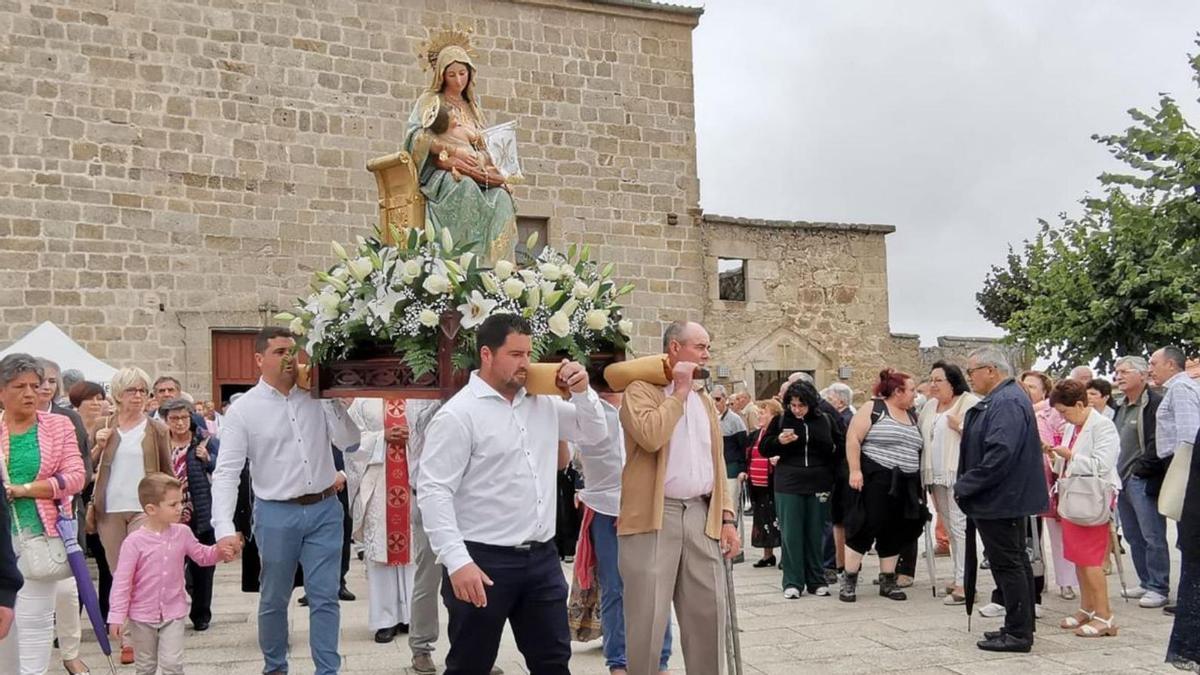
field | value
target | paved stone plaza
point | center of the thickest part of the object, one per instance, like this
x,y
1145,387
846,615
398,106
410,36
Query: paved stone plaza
x,y
809,635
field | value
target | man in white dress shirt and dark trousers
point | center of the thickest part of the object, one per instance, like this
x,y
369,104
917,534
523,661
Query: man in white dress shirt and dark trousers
x,y
286,433
486,487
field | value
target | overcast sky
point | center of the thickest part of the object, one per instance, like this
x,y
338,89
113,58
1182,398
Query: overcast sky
x,y
961,122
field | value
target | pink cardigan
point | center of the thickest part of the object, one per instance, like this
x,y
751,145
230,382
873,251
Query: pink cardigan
x,y
60,455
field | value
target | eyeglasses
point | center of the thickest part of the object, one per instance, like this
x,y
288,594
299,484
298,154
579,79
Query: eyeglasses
x,y
971,371
179,419
141,391
937,380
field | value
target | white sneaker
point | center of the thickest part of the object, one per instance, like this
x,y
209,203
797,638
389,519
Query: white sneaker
x,y
1152,600
821,591
791,593
992,610
1038,612
1133,593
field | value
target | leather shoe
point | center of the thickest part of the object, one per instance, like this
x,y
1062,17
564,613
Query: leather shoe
x,y
200,626
1169,609
1005,643
400,628
303,601
385,635
345,594
422,664
992,634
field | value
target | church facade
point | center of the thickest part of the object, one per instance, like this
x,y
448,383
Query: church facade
x,y
171,174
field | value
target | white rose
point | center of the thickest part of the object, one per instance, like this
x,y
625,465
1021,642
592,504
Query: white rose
x,y
514,287
436,284
297,326
428,318
596,319
550,271
625,326
328,302
411,270
581,290
567,270
560,324
503,269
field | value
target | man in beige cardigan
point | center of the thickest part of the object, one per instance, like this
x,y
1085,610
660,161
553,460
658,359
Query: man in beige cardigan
x,y
676,518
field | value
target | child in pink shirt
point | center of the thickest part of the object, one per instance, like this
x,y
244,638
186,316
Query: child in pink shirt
x,y
148,588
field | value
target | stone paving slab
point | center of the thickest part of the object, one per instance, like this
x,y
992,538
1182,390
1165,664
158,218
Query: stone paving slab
x,y
779,637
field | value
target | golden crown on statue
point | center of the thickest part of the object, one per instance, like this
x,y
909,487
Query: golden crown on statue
x,y
458,36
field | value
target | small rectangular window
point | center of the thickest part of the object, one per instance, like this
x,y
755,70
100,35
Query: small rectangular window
x,y
731,279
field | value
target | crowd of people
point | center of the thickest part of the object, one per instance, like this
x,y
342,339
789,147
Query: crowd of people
x,y
460,499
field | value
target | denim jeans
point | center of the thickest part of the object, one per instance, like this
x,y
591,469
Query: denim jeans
x,y
311,535
612,609
1146,531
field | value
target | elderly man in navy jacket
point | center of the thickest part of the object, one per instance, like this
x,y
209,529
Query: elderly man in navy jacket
x,y
1000,484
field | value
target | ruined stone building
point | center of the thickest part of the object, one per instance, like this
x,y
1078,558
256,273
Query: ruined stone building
x,y
172,172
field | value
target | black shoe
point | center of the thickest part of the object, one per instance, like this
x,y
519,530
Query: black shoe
x,y
888,587
765,562
401,628
993,634
1005,643
200,626
1169,609
303,601
345,594
385,635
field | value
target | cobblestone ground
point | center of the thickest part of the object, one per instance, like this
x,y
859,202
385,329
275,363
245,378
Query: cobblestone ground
x,y
809,635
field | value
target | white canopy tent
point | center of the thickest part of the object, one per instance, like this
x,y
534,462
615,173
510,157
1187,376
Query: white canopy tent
x,y
48,341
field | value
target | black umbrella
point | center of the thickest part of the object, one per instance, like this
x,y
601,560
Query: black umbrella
x,y
971,571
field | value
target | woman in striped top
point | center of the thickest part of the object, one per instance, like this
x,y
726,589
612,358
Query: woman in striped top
x,y
887,501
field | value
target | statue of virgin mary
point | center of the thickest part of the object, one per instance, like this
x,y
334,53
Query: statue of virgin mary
x,y
464,191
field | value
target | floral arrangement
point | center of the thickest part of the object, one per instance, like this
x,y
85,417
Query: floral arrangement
x,y
400,296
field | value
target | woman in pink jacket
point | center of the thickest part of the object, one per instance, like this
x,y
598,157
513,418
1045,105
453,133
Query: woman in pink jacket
x,y
42,467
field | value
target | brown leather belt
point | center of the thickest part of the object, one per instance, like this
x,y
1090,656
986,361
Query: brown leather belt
x,y
308,500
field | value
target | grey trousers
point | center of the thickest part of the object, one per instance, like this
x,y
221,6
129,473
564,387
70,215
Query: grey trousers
x,y
423,629
678,564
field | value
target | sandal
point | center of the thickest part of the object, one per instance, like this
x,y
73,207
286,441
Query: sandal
x,y
85,671
1079,618
1089,629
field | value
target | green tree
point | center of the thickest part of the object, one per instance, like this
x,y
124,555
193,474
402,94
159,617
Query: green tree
x,y
1124,276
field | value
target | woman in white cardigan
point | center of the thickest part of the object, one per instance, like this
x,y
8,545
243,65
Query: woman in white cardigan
x,y
1090,446
941,421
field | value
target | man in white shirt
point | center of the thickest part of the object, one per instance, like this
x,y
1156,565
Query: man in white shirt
x,y
286,434
601,497
486,487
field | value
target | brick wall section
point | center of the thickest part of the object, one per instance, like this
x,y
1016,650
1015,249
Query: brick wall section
x,y
198,157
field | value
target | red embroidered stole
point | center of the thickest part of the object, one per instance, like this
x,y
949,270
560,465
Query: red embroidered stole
x,y
399,493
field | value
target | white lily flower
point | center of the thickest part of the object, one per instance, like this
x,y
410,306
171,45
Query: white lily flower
x,y
436,284
550,271
503,269
428,318
297,326
529,276
476,309
360,268
338,250
625,326
533,298
328,302
560,324
514,288
447,239
596,319
567,270
490,283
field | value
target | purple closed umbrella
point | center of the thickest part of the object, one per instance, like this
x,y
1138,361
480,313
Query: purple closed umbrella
x,y
68,530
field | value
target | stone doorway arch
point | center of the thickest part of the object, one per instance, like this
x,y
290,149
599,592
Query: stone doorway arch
x,y
769,360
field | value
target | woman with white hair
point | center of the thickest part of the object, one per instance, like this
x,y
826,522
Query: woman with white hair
x,y
129,446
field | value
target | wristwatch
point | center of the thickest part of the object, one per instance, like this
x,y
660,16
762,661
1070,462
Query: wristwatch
x,y
728,522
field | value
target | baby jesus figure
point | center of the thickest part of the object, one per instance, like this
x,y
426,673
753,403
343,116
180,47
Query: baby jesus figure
x,y
463,151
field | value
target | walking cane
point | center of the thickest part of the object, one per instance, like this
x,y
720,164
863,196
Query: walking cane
x,y
1115,545
929,558
733,641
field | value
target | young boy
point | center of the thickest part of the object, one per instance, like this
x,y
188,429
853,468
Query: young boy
x,y
148,588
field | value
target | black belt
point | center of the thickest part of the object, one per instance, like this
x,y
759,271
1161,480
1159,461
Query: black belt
x,y
523,547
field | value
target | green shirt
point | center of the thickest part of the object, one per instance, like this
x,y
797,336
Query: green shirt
x,y
24,462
